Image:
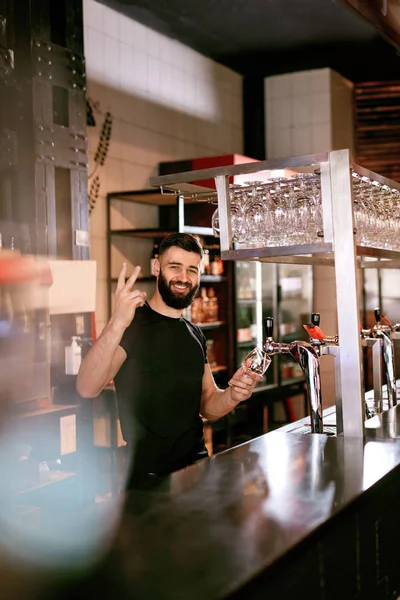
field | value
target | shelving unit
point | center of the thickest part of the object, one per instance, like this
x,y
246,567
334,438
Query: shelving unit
x,y
173,214
338,248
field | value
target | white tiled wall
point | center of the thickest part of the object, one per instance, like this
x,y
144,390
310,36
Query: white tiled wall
x,y
306,113
298,113
168,103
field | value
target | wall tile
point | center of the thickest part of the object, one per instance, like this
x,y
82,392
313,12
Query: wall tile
x,y
153,77
237,116
270,142
178,55
125,34
282,146
139,33
320,80
321,138
165,79
94,51
301,83
110,22
97,92
115,214
152,43
168,102
301,140
140,68
282,112
127,80
93,14
301,110
282,86
111,61
111,176
101,301
165,45
131,141
320,107
138,215
237,140
98,219
115,148
98,252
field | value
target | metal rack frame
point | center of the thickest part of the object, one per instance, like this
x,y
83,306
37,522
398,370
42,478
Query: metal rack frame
x,y
339,249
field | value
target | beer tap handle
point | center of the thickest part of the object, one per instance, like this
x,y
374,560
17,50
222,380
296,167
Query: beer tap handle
x,y
269,327
315,319
313,328
377,313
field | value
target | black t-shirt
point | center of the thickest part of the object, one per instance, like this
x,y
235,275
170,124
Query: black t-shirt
x,y
159,390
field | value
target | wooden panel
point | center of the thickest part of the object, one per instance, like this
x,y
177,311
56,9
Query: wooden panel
x,y
377,127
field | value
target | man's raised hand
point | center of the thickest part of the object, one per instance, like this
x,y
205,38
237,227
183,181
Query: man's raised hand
x,y
126,298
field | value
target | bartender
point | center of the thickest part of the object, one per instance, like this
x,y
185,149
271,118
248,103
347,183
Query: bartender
x,y
158,360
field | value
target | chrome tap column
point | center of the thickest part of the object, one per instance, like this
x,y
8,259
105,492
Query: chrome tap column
x,y
308,359
328,345
384,331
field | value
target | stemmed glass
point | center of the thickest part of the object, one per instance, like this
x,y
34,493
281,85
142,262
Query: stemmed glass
x,y
256,361
236,215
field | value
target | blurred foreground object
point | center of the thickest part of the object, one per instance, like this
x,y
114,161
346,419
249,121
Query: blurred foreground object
x,y
24,330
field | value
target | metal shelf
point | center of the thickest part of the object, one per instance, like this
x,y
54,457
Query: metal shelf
x,y
246,301
159,233
213,279
247,344
337,248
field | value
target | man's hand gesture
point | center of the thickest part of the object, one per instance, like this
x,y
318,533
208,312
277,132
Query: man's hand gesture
x,y
126,298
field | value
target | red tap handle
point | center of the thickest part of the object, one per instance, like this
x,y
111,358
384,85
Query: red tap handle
x,y
315,332
386,321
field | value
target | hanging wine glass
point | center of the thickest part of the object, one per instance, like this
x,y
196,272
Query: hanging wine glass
x,y
215,223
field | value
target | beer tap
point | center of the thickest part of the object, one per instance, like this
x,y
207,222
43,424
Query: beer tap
x,y
327,345
307,357
317,337
384,331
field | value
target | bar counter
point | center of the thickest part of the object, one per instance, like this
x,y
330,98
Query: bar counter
x,y
285,515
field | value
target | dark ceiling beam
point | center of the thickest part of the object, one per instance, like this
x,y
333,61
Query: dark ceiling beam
x,y
376,60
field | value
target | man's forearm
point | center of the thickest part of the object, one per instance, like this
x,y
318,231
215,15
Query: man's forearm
x,y
218,404
94,373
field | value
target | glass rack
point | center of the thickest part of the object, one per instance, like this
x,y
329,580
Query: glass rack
x,y
317,209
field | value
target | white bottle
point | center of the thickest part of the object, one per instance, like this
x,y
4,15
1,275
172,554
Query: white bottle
x,y
73,357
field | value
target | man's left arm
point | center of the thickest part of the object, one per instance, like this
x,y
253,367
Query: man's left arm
x,y
216,403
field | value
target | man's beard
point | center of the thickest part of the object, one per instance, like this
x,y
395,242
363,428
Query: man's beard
x,y
174,300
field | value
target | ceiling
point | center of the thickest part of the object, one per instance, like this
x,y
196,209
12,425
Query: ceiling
x,y
266,37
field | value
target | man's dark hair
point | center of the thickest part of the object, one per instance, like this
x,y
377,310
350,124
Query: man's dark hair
x,y
185,241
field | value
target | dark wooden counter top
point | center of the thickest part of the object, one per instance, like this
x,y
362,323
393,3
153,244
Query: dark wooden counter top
x,y
208,530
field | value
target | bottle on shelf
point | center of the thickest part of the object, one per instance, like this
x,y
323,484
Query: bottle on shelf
x,y
206,262
205,304
216,265
196,313
212,305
